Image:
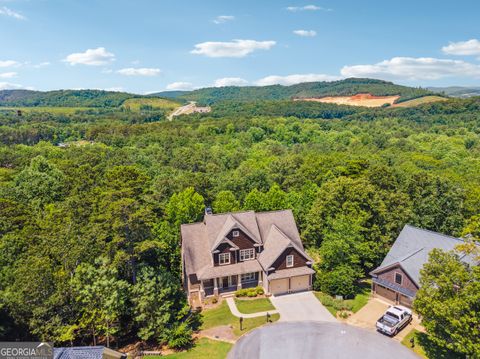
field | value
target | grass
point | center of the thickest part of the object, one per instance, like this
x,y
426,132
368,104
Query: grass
x,y
354,305
135,104
254,305
420,101
426,348
221,315
203,349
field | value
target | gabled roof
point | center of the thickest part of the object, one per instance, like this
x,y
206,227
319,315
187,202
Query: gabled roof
x,y
275,244
93,352
411,250
232,222
200,239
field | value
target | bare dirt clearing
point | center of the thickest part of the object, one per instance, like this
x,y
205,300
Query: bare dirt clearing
x,y
363,99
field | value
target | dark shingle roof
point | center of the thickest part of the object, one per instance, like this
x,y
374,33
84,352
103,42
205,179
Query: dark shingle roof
x,y
93,352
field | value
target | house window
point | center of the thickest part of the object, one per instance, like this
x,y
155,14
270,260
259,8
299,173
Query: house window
x,y
224,258
398,278
247,254
290,260
235,233
247,277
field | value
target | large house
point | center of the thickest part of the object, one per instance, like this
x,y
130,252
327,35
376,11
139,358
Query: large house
x,y
397,278
237,250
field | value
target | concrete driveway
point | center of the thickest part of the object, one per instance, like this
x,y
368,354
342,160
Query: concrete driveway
x,y
314,340
299,307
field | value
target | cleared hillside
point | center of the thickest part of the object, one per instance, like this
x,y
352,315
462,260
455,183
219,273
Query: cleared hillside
x,y
348,87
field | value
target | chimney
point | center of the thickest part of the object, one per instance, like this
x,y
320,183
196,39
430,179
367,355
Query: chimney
x,y
208,212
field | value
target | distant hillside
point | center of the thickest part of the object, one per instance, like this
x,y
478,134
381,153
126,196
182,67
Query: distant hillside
x,y
170,94
346,87
457,91
63,98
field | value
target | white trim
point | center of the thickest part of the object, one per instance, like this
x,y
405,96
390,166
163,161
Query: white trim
x,y
247,254
395,278
220,255
287,260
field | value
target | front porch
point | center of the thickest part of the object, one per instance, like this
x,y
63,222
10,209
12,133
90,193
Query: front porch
x,y
229,284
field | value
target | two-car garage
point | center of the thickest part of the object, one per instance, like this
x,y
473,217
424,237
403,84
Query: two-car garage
x,y
289,285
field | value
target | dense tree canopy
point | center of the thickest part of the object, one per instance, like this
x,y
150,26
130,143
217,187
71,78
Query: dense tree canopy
x,y
76,188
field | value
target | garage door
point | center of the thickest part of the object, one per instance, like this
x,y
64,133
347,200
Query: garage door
x,y
385,292
406,301
299,283
279,286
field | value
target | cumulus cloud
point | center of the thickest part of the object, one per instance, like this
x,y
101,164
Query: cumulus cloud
x,y
142,71
42,64
305,33
7,75
294,79
9,63
222,19
307,8
114,89
5,11
234,48
230,81
91,57
470,47
180,86
409,68
10,86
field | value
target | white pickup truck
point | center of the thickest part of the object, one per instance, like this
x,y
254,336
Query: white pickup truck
x,y
394,319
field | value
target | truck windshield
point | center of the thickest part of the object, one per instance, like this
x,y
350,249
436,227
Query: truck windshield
x,y
393,315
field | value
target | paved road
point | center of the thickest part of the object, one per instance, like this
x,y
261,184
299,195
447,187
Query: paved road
x,y
300,307
317,340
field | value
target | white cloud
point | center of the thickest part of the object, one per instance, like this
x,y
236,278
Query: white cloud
x,y
470,47
42,64
10,13
230,81
9,63
307,8
142,71
10,86
180,86
222,19
114,89
7,75
409,68
305,33
234,48
92,57
294,79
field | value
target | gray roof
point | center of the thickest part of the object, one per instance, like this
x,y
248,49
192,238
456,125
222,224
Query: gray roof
x,y
210,272
93,352
412,247
275,230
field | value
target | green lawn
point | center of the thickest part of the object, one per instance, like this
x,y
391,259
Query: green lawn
x,y
425,348
247,306
355,304
222,316
203,349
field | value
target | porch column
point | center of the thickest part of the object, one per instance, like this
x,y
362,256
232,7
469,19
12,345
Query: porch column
x,y
215,286
260,279
239,281
202,291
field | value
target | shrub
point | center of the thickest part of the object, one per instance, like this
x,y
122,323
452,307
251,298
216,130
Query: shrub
x,y
180,336
260,290
241,293
343,314
252,293
339,281
214,300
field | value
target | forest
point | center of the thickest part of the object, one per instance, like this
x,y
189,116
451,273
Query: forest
x,y
91,202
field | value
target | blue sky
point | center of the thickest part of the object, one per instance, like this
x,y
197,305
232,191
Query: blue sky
x,y
145,46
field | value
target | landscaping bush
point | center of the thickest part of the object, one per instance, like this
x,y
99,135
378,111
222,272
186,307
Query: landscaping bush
x,y
180,336
252,293
241,293
260,290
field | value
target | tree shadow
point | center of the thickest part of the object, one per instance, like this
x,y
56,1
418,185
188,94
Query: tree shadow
x,y
432,350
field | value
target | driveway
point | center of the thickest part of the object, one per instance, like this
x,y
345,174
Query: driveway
x,y
367,317
301,307
312,340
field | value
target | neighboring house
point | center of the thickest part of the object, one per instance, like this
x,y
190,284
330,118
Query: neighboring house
x,y
94,352
397,278
237,250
